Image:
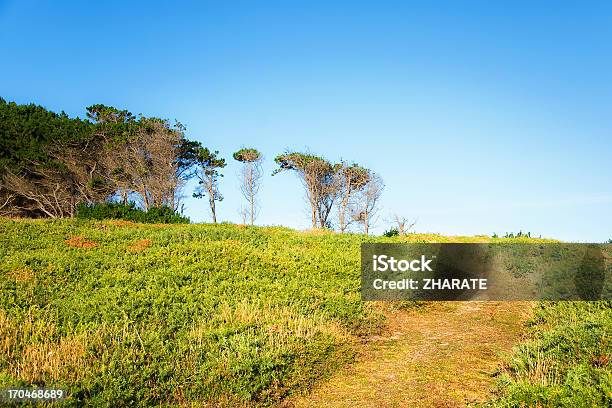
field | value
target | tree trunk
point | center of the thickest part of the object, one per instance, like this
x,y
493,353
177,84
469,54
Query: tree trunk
x,y
341,213
314,216
251,193
211,201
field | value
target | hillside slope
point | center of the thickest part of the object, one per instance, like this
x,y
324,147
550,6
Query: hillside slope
x,y
157,314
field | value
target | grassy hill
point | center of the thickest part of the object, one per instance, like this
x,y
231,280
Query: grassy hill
x,y
149,314
161,313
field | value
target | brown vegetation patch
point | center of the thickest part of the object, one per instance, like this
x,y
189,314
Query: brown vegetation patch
x,y
78,241
140,245
22,274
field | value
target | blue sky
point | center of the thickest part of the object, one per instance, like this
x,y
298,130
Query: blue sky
x,y
480,118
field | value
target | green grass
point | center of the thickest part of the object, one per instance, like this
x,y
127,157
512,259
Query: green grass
x,y
566,362
166,314
147,314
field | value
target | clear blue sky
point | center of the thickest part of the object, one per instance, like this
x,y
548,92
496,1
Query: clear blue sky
x,y
480,118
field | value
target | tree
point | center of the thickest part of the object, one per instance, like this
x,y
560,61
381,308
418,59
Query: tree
x,y
49,162
250,178
146,156
403,224
117,129
318,177
367,202
350,180
156,171
207,173
35,178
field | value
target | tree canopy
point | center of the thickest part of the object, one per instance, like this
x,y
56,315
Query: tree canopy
x,y
49,162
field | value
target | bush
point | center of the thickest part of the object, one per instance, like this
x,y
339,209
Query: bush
x,y
566,360
129,212
393,232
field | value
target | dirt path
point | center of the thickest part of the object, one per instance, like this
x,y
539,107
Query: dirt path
x,y
438,356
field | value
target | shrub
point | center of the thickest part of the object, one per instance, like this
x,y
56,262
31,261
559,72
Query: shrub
x,y
129,212
566,360
393,232
519,234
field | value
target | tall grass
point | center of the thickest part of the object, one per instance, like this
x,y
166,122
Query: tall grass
x,y
566,362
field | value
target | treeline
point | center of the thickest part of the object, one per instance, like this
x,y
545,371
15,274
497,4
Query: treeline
x,y
51,165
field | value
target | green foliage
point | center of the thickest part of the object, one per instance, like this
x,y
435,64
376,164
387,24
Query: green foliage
x,y
208,163
566,362
393,232
27,130
519,234
107,114
50,162
149,315
247,155
129,212
301,162
209,160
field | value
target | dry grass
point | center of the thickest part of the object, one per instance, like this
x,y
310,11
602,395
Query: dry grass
x,y
78,241
281,324
140,245
317,232
44,362
32,351
23,274
437,356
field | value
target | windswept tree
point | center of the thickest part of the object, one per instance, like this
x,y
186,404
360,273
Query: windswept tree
x,y
207,173
49,163
116,128
403,224
367,202
146,156
40,175
318,177
351,179
156,171
250,178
